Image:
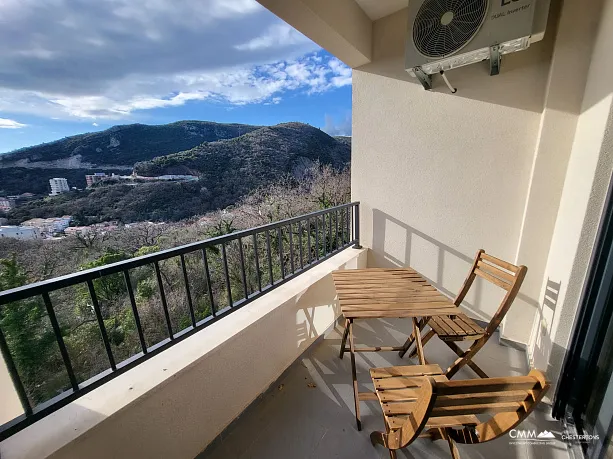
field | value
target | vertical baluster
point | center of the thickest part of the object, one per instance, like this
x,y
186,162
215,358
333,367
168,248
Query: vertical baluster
x,y
280,241
14,374
291,248
188,294
209,286
347,223
336,224
257,261
139,327
105,337
158,275
243,275
300,244
226,274
60,342
316,238
309,240
330,232
269,256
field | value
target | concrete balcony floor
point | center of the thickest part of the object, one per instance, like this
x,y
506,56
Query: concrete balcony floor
x,y
309,413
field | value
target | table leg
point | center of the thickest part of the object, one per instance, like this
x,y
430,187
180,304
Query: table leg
x,y
418,345
344,340
356,397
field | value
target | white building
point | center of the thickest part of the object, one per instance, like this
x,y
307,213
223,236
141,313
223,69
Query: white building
x,y
58,186
19,232
49,225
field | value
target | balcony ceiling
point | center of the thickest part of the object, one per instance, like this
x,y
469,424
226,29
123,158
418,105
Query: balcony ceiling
x,y
376,9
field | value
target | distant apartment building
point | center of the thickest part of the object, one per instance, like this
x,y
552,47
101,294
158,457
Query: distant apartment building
x,y
5,204
58,186
19,232
49,226
95,178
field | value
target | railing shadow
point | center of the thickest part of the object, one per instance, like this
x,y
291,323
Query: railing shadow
x,y
542,330
451,264
381,223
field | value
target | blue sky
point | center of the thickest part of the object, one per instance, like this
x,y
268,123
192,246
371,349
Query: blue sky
x,y
73,66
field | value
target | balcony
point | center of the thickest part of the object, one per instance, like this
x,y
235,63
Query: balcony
x,y
258,377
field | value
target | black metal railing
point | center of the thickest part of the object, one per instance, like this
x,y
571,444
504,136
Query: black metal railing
x,y
244,265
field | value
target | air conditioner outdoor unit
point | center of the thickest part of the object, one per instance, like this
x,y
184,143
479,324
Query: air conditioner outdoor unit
x,y
446,34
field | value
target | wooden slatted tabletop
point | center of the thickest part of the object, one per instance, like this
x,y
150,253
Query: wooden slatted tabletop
x,y
379,293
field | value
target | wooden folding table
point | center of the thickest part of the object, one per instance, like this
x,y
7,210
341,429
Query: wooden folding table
x,y
377,293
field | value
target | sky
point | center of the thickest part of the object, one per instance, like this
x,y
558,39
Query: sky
x,y
74,66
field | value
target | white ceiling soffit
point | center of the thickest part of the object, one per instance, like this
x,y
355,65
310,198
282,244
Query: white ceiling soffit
x,y
377,9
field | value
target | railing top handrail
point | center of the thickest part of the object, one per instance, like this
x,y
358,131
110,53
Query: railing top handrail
x,y
38,288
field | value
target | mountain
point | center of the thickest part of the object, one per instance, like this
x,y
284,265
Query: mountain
x,y
114,150
259,155
227,170
121,146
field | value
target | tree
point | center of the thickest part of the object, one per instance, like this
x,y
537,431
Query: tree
x,y
28,333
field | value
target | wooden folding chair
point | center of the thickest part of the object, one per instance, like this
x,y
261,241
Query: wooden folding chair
x,y
461,328
431,406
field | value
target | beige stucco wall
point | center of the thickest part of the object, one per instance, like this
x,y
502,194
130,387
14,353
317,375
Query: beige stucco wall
x,y
174,404
440,176
585,187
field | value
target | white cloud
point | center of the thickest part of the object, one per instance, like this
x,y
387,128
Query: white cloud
x,y
111,58
95,124
238,85
10,124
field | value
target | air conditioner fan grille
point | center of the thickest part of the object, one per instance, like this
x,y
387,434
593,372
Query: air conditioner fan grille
x,y
442,27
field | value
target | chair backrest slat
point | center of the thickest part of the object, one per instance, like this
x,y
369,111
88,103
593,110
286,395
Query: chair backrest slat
x,y
491,408
505,276
497,261
476,386
480,398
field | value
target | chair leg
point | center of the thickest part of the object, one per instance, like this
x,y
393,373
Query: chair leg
x,y
344,340
455,348
455,454
411,339
466,357
427,337
356,397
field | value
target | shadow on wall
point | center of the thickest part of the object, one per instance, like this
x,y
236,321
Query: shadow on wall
x,y
322,294
543,344
452,266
